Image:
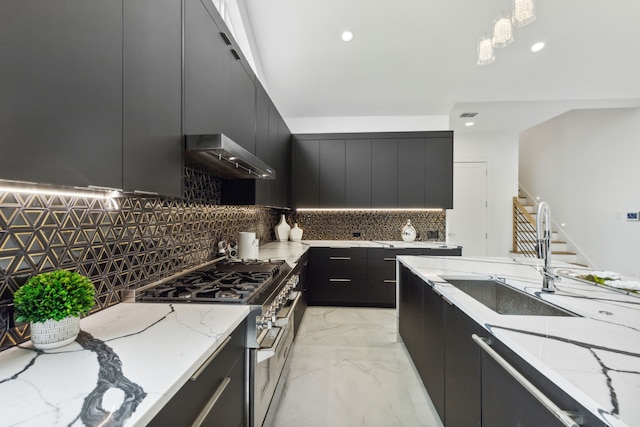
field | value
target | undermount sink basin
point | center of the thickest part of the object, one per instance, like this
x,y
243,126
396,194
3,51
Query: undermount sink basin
x,y
504,299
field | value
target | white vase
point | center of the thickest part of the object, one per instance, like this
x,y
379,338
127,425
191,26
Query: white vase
x,y
296,233
54,333
408,232
282,230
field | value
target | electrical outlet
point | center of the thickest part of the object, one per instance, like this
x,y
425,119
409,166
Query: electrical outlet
x,y
432,234
356,234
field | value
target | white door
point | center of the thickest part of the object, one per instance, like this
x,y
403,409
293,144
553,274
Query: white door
x,y
467,221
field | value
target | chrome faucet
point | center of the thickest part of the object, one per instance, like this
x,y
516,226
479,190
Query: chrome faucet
x,y
543,246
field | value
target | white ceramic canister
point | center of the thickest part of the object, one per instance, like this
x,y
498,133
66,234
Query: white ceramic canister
x,y
247,245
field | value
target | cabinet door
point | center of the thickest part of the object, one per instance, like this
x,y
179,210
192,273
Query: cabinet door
x,y
283,179
306,173
61,92
264,144
153,97
241,102
384,173
432,368
438,167
207,67
411,172
381,273
462,369
332,173
358,173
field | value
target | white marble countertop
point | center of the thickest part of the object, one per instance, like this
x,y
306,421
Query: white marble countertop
x,y
594,358
291,251
144,352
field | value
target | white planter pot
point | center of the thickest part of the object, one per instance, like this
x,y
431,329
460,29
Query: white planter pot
x,y
54,333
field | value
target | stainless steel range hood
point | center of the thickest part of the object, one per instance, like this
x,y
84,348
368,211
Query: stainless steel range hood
x,y
225,158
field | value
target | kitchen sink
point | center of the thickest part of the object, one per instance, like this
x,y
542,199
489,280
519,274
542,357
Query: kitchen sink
x,y
504,299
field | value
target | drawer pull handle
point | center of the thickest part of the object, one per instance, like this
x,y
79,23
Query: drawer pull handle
x,y
226,38
390,259
211,403
390,281
339,280
535,392
210,359
341,258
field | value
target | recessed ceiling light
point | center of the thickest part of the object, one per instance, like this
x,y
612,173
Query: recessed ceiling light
x,y
467,124
347,36
537,47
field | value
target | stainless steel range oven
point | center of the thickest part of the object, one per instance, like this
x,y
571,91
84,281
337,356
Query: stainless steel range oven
x,y
268,288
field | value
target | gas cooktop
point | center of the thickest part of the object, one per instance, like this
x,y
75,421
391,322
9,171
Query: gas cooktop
x,y
227,281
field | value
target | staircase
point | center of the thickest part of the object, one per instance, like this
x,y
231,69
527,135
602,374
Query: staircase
x,y
524,234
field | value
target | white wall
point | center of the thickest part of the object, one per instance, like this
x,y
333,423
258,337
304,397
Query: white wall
x,y
367,124
500,151
585,164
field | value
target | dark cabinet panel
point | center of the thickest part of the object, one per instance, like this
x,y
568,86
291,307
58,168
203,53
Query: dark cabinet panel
x,y
384,179
432,368
306,173
207,67
332,174
241,104
442,252
462,369
358,173
411,172
381,271
438,167
61,92
152,153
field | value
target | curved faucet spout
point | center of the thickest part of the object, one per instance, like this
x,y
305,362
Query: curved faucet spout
x,y
543,246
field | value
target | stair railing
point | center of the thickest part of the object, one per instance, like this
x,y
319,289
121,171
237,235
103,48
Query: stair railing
x,y
524,230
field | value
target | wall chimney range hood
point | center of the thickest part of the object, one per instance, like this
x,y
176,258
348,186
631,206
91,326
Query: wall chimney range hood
x,y
225,158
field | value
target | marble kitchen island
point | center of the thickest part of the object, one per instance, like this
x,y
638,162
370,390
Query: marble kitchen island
x,y
595,357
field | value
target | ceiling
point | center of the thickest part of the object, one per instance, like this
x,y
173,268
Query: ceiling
x,y
418,58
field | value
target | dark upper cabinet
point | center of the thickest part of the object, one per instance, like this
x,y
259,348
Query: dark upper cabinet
x,y
152,150
61,92
438,171
332,174
384,176
358,173
220,92
380,170
306,173
273,146
411,172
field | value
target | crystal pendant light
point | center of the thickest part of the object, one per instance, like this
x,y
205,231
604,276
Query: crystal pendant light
x,y
524,12
502,31
485,51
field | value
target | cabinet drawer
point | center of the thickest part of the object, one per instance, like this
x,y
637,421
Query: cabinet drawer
x,y
185,406
387,253
340,291
326,253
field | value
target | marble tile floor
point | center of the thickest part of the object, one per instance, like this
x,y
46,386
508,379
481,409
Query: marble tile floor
x,y
348,369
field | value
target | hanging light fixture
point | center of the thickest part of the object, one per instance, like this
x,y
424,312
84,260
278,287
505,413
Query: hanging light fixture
x,y
485,51
524,12
502,31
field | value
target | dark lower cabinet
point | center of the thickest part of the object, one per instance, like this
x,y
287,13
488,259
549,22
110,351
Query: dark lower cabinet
x,y
362,277
462,369
337,276
222,381
432,337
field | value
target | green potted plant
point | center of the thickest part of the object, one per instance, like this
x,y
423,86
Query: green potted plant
x,y
53,302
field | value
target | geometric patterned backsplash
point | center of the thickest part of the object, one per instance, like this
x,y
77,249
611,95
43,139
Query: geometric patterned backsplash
x,y
146,239
151,237
372,225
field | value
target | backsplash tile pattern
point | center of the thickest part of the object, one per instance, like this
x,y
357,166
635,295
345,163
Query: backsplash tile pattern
x,y
146,239
372,225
